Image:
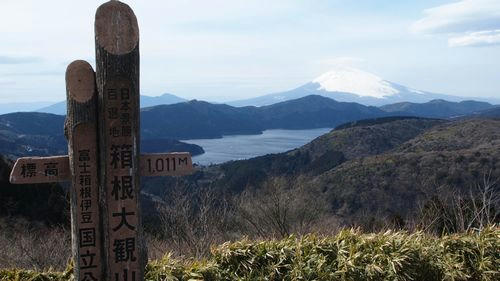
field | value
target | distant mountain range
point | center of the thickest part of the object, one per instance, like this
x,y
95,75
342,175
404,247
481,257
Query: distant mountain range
x,y
146,101
353,85
199,119
343,84
22,106
35,133
438,108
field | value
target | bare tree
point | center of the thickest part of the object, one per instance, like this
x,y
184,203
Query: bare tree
x,y
486,202
279,208
192,223
459,212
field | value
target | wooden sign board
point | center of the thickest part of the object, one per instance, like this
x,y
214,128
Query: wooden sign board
x,y
166,164
119,158
40,170
86,217
174,164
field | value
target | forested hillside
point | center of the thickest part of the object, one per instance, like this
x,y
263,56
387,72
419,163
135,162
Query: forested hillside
x,y
42,134
369,171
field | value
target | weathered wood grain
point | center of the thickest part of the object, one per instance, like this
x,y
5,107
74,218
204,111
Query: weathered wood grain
x,y
81,131
117,76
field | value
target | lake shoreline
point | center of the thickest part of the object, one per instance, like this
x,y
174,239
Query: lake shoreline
x,y
241,147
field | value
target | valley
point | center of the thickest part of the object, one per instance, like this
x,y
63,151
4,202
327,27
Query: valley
x,y
403,166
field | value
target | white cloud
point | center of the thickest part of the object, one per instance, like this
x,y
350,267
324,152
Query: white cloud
x,y
467,22
476,39
462,16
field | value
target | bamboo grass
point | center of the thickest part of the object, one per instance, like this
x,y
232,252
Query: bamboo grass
x,y
349,255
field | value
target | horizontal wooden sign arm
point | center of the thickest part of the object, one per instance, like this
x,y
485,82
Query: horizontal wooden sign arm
x,y
56,168
41,170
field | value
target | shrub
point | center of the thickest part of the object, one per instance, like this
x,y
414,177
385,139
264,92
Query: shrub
x,y
349,255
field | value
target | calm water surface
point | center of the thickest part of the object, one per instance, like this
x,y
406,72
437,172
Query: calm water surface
x,y
239,147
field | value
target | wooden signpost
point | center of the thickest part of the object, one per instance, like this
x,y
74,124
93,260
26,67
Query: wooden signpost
x,y
81,131
117,73
104,163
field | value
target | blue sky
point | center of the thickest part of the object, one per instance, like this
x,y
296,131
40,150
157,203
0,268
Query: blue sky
x,y
221,50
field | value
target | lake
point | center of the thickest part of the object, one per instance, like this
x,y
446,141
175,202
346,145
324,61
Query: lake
x,y
238,147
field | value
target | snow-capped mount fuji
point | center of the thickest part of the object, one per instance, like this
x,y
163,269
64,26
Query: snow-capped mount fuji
x,y
354,81
348,84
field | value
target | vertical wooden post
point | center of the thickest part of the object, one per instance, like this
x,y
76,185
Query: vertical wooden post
x,y
117,76
81,131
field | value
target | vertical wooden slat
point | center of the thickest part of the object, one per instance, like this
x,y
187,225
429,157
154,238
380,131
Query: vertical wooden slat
x,y
81,131
117,76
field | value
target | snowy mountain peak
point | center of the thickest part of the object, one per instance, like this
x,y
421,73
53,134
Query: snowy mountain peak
x,y
346,84
355,81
